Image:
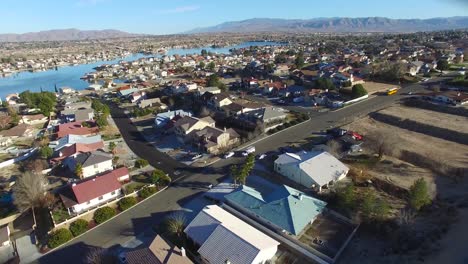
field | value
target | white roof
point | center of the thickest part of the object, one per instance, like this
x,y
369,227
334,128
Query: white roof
x,y
323,167
221,234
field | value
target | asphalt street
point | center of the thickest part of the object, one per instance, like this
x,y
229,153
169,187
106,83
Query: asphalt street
x,y
191,182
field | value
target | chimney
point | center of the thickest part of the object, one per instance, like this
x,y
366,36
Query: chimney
x,y
182,252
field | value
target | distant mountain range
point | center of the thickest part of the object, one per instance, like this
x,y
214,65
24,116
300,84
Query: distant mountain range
x,y
65,34
337,25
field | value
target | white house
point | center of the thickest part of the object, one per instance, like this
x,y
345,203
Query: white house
x,y
93,163
316,169
90,193
224,238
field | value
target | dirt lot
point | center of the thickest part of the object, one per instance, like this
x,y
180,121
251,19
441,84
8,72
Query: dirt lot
x,y
451,192
431,147
452,122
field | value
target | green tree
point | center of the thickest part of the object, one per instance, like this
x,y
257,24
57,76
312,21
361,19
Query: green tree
x,y
419,194
46,152
79,170
112,146
211,66
156,176
325,83
103,214
102,121
373,207
443,65
79,227
234,172
59,237
213,80
299,61
202,65
126,203
358,91
175,224
140,163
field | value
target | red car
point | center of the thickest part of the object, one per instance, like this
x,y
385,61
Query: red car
x,y
355,135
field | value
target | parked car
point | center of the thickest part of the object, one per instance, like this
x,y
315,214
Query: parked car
x,y
337,132
197,156
262,156
228,155
248,151
355,135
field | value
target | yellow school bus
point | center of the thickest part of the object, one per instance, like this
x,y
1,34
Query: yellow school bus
x,y
392,91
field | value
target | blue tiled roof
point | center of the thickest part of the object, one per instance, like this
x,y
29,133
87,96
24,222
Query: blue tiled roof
x,y
283,207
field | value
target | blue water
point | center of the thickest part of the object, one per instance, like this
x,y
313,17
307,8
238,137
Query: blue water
x,y
70,75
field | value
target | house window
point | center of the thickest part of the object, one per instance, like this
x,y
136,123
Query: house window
x,y
88,203
95,166
113,193
100,198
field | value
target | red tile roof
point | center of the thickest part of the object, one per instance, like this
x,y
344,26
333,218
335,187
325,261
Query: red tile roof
x,y
76,128
93,188
77,148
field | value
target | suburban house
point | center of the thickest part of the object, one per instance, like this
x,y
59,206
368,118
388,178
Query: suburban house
x,y
4,236
76,128
187,124
71,139
159,251
127,92
214,140
93,162
268,115
90,192
213,90
151,103
71,114
12,99
316,169
219,100
163,119
224,238
285,209
75,149
21,130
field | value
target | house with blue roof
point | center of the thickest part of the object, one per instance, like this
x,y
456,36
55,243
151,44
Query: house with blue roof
x,y
285,209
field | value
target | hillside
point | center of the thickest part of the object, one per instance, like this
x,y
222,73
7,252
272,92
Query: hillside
x,y
64,34
338,25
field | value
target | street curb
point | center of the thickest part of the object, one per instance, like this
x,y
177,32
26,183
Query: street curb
x,y
339,109
53,249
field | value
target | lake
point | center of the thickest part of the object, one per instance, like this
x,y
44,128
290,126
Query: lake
x,y
70,75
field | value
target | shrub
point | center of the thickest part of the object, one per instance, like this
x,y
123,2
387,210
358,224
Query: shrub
x,y
59,237
126,203
79,227
294,122
147,192
104,213
419,194
46,152
358,91
140,163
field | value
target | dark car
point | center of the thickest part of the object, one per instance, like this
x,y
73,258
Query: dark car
x,y
337,132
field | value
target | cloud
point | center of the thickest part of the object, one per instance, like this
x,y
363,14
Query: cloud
x,y
90,2
180,9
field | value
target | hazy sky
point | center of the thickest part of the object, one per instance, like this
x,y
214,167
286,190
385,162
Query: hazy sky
x,y
174,16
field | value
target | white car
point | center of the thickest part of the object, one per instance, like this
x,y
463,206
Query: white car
x,y
228,155
262,156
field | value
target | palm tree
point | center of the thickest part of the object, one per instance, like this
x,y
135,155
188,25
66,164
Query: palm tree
x,y
175,224
29,192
